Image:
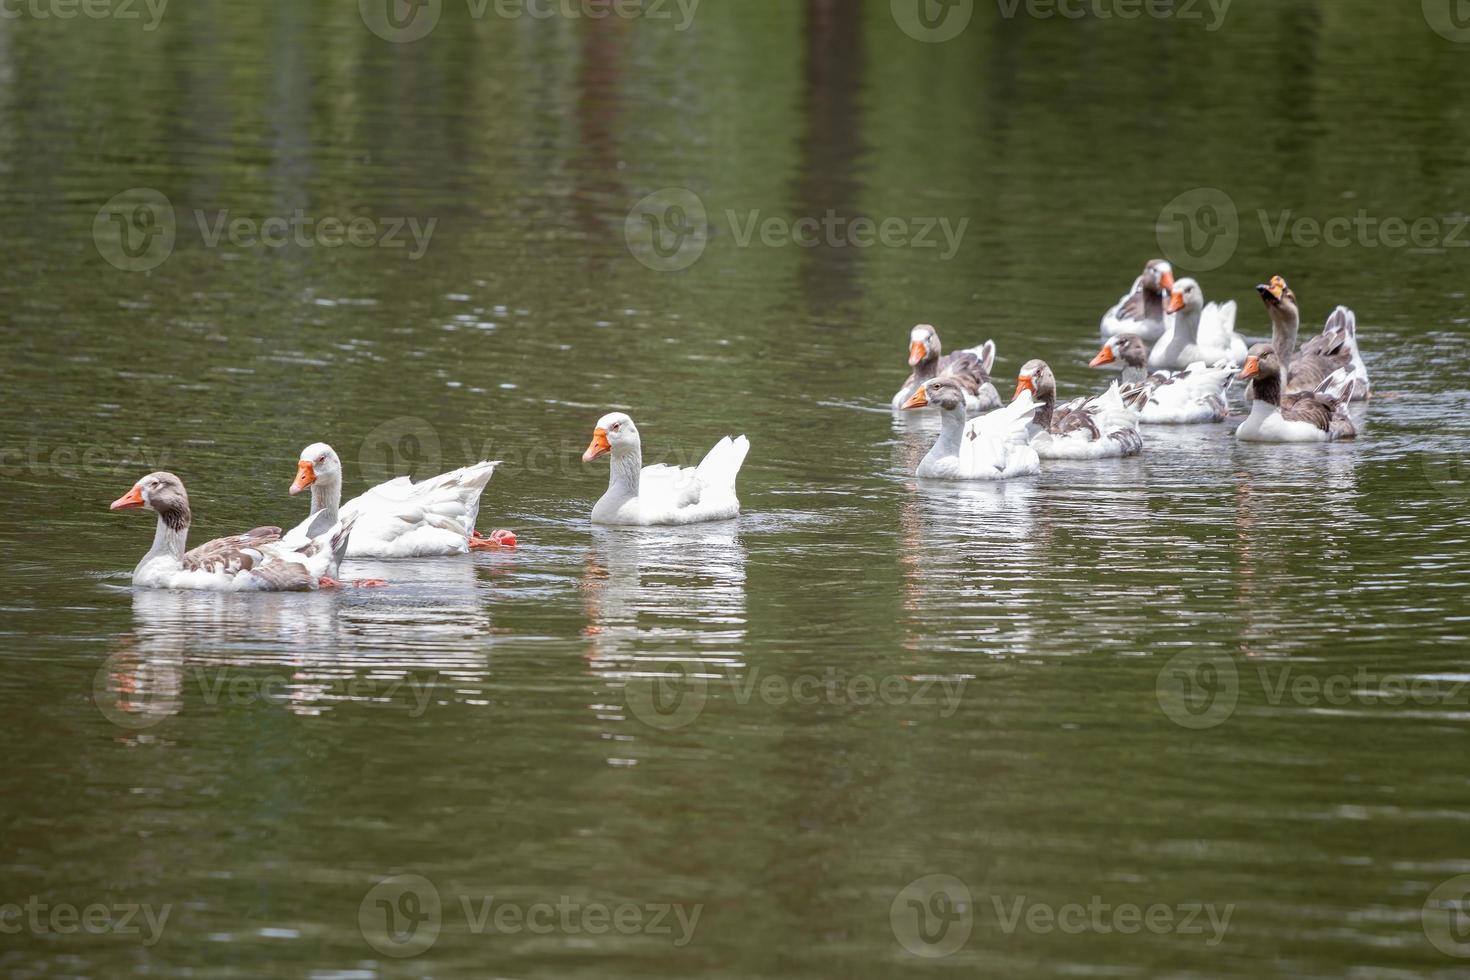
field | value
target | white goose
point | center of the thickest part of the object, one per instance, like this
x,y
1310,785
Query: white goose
x,y
400,518
1099,427
1141,310
992,447
256,561
647,495
1198,333
1319,416
1193,396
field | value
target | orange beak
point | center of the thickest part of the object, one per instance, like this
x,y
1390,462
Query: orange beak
x,y
1176,302
1277,288
920,399
1104,356
1167,281
1023,384
1252,367
917,353
599,446
305,477
133,498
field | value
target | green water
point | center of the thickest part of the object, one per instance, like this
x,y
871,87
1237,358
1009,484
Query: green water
x,y
1215,680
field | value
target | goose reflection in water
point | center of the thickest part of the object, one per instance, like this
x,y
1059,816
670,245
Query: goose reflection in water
x,y
1295,509
962,542
303,651
664,604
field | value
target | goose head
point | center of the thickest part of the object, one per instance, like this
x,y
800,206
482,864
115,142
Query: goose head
x,y
613,432
1186,296
1036,377
1262,363
1122,350
942,393
1158,276
318,464
1286,316
923,345
162,493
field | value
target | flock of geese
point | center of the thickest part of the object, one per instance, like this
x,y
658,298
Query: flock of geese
x,y
1178,358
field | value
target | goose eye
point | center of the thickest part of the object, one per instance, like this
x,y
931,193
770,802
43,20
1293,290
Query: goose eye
x,y
321,459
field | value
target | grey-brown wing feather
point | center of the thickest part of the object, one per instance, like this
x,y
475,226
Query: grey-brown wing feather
x,y
965,369
236,553
1323,411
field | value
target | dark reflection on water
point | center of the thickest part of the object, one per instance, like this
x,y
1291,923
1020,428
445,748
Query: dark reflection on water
x,y
1164,681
